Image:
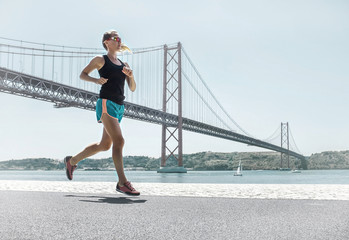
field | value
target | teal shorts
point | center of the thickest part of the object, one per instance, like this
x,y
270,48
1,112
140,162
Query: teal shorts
x,y
109,107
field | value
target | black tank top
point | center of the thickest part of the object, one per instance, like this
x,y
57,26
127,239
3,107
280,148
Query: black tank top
x,y
113,89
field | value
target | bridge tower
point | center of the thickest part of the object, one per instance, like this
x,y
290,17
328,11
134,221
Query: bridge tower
x,y
285,142
172,140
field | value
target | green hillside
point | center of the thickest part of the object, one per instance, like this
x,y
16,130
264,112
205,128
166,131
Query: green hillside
x,y
195,161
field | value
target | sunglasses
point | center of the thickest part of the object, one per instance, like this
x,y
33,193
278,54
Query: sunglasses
x,y
116,39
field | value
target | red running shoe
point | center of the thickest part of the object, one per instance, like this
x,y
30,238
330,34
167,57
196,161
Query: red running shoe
x,y
69,168
127,189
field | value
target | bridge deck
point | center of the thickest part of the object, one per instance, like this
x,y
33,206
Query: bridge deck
x,y
61,95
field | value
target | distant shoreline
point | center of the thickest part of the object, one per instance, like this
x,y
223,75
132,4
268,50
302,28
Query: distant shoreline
x,y
202,161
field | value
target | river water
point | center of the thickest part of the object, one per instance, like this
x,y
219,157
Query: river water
x,y
221,177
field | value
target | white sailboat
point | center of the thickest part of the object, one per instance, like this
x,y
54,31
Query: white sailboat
x,y
239,170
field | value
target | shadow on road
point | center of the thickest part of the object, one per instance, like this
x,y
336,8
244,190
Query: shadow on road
x,y
112,200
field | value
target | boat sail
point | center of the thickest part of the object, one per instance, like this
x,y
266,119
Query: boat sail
x,y
239,170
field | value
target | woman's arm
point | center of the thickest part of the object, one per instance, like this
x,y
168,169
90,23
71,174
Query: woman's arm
x,y
96,63
129,77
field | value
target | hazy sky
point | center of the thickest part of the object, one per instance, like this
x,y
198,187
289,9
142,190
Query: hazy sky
x,y
267,62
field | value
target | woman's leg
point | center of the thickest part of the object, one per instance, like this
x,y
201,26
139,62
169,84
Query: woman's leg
x,y
92,149
112,127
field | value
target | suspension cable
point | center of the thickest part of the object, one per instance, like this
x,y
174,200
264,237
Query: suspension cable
x,y
197,72
297,149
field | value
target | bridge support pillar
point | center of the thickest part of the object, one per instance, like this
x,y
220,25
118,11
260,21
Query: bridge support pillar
x,y
172,138
285,142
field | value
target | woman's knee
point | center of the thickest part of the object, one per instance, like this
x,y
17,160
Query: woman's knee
x,y
105,146
119,142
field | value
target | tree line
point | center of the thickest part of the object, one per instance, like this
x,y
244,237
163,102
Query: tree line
x,y
196,161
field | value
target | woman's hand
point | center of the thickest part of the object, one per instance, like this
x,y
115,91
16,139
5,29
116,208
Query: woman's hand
x,y
101,81
129,77
127,71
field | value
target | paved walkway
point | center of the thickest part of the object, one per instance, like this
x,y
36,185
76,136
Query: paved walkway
x,y
59,215
260,191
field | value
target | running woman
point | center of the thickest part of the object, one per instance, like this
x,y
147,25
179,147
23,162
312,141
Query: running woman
x,y
109,107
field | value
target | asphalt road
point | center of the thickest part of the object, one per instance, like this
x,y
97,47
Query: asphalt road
x,y
43,215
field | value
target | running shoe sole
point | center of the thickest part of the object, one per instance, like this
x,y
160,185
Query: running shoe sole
x,y
128,193
66,169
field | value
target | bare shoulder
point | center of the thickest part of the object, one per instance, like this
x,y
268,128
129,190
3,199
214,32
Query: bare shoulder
x,y
98,61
